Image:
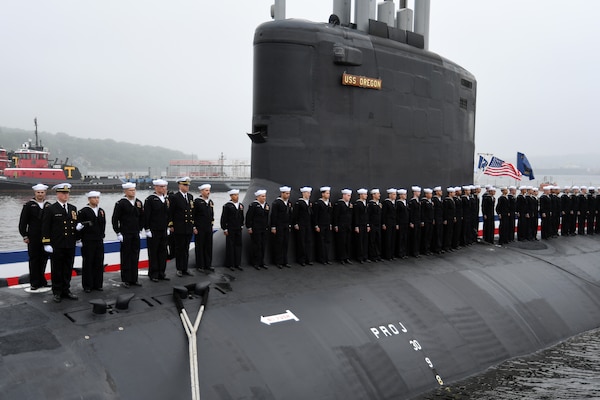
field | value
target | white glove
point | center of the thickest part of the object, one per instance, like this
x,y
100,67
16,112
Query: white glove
x,y
120,237
148,233
168,231
48,248
142,234
79,226
78,243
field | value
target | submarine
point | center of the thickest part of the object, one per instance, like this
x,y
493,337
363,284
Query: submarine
x,y
347,105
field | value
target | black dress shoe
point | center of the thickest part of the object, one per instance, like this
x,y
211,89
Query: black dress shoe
x,y
164,278
99,289
211,269
154,279
279,266
87,290
327,263
287,265
303,264
34,287
179,274
125,285
240,268
231,269
188,273
70,296
348,261
309,263
56,298
256,267
264,266
135,284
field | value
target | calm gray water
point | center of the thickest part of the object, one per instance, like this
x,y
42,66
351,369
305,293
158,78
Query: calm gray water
x,y
570,370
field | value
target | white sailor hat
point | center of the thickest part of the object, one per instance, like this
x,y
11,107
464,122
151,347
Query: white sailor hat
x,y
160,182
39,186
488,186
591,188
451,189
437,188
583,187
391,190
466,187
535,189
259,192
62,187
283,189
522,187
184,181
415,188
128,185
401,191
547,187
346,191
512,187
373,191
503,187
362,191
233,191
457,188
476,186
567,187
575,188
204,186
427,190
93,193
493,189
324,188
305,189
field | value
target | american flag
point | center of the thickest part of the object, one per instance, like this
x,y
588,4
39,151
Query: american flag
x,y
497,167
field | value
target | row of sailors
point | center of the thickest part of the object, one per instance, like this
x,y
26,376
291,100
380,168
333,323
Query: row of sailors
x,y
375,229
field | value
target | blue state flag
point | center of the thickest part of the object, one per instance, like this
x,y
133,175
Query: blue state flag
x,y
482,163
524,166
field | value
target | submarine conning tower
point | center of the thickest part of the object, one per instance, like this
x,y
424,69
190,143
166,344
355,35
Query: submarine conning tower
x,y
361,104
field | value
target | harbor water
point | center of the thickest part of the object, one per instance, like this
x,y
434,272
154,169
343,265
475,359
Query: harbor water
x,y
569,370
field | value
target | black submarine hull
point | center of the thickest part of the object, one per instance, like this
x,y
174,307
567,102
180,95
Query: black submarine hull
x,y
390,330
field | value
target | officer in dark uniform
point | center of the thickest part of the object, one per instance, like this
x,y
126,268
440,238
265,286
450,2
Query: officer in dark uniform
x,y
302,222
438,221
574,210
232,221
322,211
565,211
487,208
342,226
591,207
503,211
427,218
546,214
582,202
465,231
204,219
449,207
128,222
59,237
522,214
281,222
360,221
402,221
534,207
475,212
555,200
414,225
458,212
389,226
374,218
156,222
257,223
181,224
512,209
91,227
30,228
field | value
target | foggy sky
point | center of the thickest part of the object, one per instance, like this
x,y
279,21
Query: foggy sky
x,y
179,73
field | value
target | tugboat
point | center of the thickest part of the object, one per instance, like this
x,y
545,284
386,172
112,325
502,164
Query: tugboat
x,y
31,164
